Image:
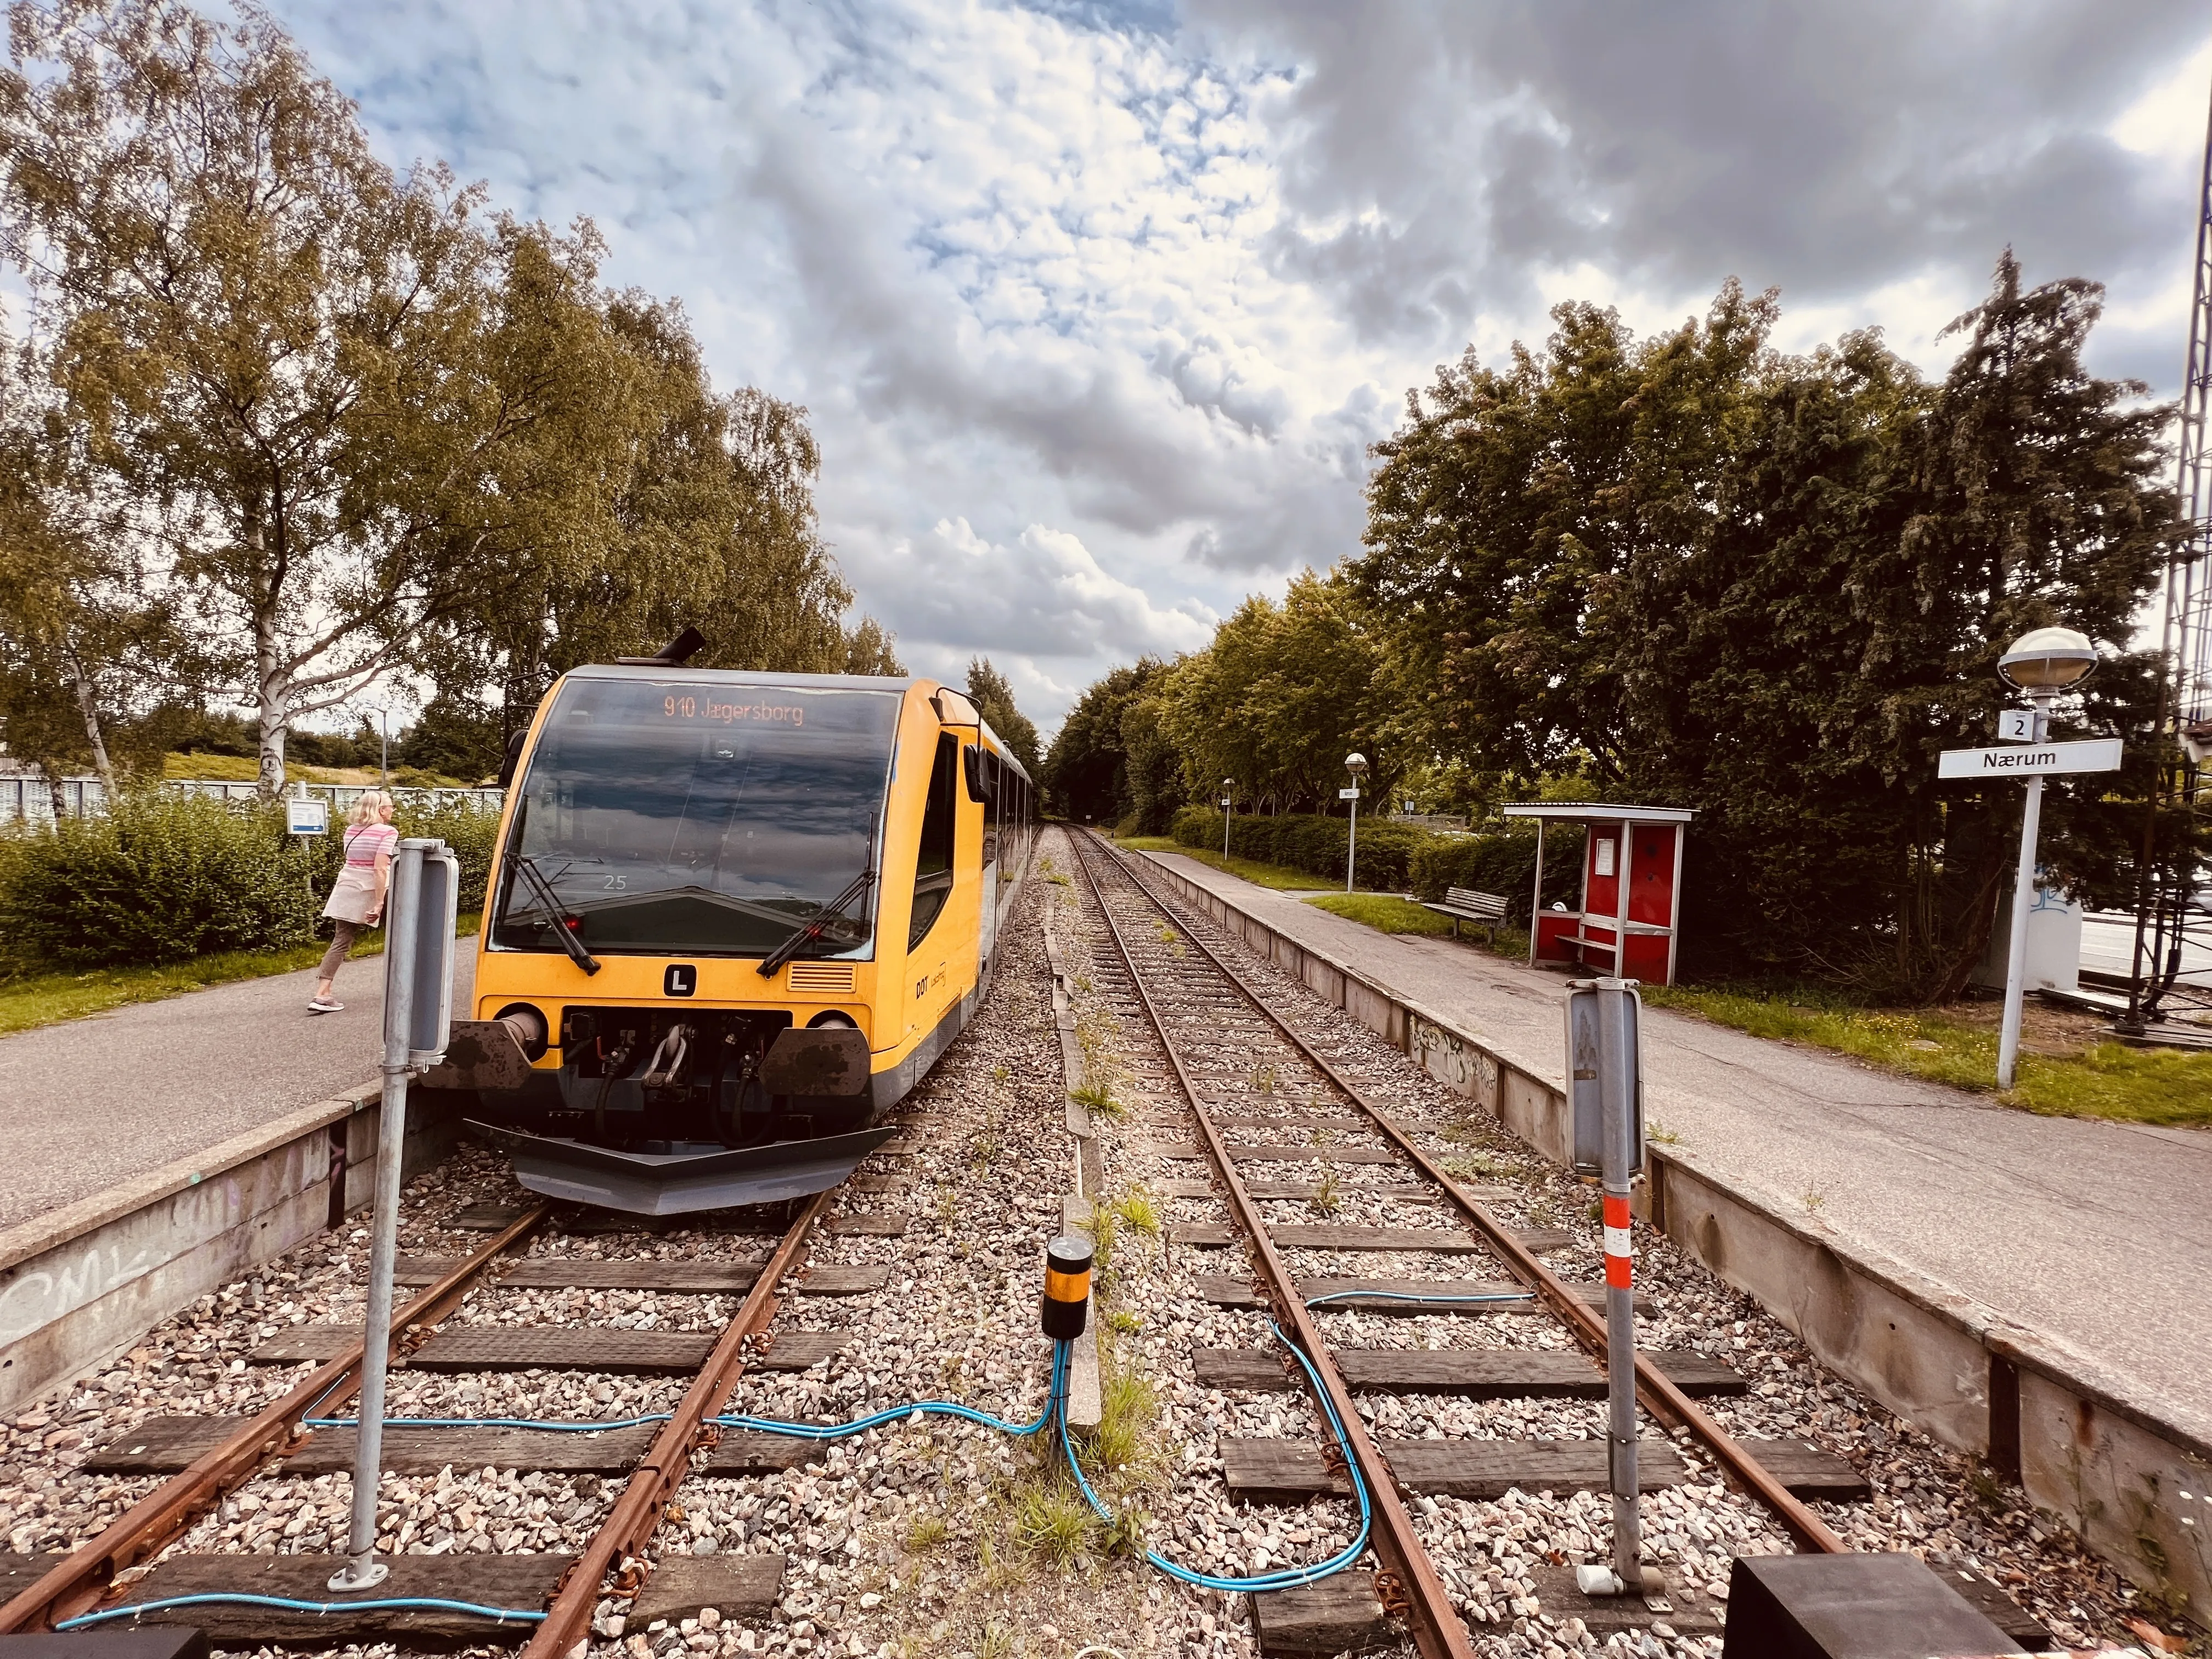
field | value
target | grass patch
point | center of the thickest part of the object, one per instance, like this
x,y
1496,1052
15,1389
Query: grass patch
x,y
1099,1101
1280,877
1384,912
2105,1079
1135,1210
34,1000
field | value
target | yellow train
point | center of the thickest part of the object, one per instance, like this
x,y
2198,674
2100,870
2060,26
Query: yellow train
x,y
734,918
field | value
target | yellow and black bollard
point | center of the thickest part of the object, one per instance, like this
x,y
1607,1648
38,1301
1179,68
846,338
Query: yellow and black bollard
x,y
1066,1288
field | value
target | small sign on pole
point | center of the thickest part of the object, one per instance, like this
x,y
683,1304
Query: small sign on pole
x,y
309,815
2016,726
418,1013
1352,794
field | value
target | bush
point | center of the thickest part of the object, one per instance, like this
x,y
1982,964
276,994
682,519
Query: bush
x,y
160,878
1310,842
166,877
1504,862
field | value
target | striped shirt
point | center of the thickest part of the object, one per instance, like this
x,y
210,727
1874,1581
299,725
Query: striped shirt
x,y
364,841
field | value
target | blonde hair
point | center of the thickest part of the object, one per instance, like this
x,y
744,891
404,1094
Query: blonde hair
x,y
366,806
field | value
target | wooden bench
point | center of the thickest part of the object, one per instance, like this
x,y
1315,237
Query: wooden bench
x,y
1465,904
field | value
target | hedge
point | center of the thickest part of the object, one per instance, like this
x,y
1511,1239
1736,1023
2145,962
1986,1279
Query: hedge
x,y
1401,856
1307,840
164,876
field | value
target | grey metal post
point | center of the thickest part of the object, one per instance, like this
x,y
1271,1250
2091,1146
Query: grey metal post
x,y
2023,901
362,1569
418,994
1621,1160
1605,1107
1351,847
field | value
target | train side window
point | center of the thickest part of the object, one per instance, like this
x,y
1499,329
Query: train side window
x,y
932,869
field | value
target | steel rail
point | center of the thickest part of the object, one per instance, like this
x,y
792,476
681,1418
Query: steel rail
x,y
1438,1631
629,1526
78,1583
1660,1394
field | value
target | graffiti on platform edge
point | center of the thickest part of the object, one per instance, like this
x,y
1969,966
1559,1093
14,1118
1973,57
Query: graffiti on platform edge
x,y
38,1299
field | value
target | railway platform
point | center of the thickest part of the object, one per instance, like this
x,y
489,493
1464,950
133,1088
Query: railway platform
x,y
91,1104
2084,1233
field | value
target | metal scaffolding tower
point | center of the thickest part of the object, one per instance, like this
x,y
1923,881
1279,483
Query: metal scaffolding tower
x,y
2163,923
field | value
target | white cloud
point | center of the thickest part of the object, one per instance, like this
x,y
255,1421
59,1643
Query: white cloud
x,y
1100,309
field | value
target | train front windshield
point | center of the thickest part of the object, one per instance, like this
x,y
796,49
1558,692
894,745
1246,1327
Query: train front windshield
x,y
670,819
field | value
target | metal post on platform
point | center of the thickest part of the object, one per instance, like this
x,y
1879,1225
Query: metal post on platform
x,y
1606,1102
1355,764
418,1005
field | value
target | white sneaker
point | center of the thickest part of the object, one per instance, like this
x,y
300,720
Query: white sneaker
x,y
325,1005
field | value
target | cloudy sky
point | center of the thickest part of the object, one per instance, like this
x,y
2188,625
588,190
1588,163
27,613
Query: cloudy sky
x,y
1096,304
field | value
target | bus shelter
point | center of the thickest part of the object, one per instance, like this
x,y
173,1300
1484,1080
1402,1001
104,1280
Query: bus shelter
x,y
1631,890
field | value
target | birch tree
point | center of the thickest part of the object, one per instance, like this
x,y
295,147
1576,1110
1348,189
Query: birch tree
x,y
267,339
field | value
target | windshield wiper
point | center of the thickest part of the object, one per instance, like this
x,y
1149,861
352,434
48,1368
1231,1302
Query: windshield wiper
x,y
828,913
546,896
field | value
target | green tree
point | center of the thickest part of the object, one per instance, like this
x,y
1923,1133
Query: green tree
x,y
1086,771
1771,588
1279,698
264,337
988,690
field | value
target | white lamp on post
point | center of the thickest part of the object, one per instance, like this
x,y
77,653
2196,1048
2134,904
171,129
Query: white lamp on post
x,y
2043,665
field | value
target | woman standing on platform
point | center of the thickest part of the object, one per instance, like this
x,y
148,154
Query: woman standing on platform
x,y
358,901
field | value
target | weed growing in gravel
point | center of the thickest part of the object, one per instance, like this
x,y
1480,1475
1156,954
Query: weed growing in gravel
x,y
1327,1198
1127,1444
1263,1080
1099,1101
1136,1208
926,1532
998,1643
987,1151
1477,1166
1051,1519
1121,1319
1168,936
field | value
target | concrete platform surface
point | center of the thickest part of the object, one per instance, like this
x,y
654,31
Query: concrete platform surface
x,y
91,1102
2086,1232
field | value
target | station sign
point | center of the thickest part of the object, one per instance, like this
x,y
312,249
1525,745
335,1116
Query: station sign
x,y
306,817
2039,760
1348,794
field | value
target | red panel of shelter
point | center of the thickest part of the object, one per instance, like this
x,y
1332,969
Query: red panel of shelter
x,y
1651,879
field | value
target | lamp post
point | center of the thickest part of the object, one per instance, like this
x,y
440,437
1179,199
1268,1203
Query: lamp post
x,y
1228,800
2042,664
1355,764
384,755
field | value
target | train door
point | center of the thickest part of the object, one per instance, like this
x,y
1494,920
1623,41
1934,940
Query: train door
x,y
993,793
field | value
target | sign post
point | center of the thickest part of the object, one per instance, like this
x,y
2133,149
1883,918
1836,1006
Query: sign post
x,y
2035,759
1227,801
418,1013
1605,1096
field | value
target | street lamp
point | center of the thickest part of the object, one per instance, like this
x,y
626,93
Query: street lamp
x,y
1228,798
2043,665
1355,764
384,754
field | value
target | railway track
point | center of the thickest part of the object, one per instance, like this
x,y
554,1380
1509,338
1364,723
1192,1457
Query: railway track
x,y
206,1460
660,1535
1284,1129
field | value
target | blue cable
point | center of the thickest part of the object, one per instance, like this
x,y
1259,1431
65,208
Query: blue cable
x,y
1289,1578
215,1598
1055,1407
